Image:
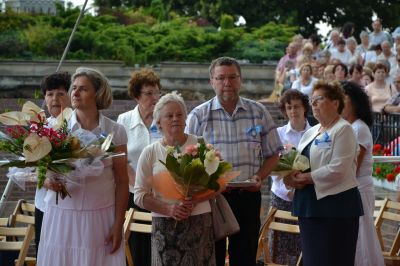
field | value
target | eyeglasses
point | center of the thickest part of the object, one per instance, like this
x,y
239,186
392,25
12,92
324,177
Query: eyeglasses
x,y
223,78
315,100
151,93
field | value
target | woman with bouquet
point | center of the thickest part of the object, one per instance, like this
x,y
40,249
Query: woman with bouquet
x,y
326,200
357,111
182,231
87,228
285,248
144,87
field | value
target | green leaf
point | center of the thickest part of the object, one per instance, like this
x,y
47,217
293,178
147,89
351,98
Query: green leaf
x,y
195,174
185,160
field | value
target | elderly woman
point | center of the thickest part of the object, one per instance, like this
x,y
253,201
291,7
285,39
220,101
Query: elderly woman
x,y
305,82
189,241
379,92
357,111
144,87
285,248
326,200
87,228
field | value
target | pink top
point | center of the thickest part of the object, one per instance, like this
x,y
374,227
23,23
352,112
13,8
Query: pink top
x,y
378,97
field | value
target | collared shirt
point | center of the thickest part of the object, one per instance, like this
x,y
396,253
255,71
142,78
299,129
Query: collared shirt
x,y
139,136
288,135
245,138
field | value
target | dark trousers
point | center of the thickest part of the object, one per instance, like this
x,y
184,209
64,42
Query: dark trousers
x,y
243,245
328,241
139,243
38,227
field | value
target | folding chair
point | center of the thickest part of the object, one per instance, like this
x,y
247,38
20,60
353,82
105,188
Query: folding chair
x,y
272,224
17,239
388,215
134,222
25,208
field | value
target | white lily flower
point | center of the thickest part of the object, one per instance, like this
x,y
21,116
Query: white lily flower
x,y
35,147
33,111
14,118
211,162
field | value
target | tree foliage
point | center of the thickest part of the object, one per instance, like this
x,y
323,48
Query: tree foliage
x,y
304,14
140,35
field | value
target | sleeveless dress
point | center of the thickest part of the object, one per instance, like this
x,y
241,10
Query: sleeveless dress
x,y
75,229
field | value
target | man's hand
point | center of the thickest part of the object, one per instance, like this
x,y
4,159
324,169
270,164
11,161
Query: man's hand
x,y
256,186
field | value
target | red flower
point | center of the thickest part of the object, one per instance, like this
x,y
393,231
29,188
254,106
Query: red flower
x,y
390,177
397,170
377,148
378,170
386,151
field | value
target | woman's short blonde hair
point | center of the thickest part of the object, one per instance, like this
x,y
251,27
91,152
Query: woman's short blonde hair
x,y
100,83
173,97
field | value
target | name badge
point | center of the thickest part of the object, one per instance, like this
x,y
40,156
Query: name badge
x,y
324,145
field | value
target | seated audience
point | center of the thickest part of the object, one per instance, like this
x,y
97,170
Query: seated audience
x,y
379,91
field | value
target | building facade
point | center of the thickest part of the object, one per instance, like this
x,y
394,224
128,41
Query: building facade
x,y
33,6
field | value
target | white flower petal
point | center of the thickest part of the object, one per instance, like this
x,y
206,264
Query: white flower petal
x,y
35,147
32,110
14,118
211,164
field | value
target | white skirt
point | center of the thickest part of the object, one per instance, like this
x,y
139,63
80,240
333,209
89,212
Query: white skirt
x,y
77,238
368,252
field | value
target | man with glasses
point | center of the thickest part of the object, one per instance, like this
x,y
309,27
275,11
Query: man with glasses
x,y
246,136
393,104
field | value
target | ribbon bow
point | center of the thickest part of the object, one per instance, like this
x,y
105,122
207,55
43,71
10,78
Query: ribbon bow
x,y
325,138
254,130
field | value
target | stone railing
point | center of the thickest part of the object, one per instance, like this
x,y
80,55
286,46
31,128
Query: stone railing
x,y
22,78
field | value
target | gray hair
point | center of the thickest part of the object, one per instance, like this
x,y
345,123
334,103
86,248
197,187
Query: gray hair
x,y
100,83
363,34
351,39
224,61
173,97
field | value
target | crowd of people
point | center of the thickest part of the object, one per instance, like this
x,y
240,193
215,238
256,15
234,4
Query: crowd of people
x,y
333,199
374,63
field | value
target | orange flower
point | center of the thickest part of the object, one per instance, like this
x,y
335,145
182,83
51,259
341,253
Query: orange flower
x,y
378,170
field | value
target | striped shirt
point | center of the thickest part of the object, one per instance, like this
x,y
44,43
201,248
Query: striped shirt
x,y
245,138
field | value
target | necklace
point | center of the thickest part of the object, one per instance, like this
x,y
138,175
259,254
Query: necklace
x,y
322,129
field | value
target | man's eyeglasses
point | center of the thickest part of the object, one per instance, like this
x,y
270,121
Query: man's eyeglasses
x,y
229,78
315,100
151,93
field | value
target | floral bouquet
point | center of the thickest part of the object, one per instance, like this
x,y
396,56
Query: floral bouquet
x,y
290,161
384,170
31,144
196,172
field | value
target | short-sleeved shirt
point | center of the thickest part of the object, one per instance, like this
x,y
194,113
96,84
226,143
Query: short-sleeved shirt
x,y
245,138
139,136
